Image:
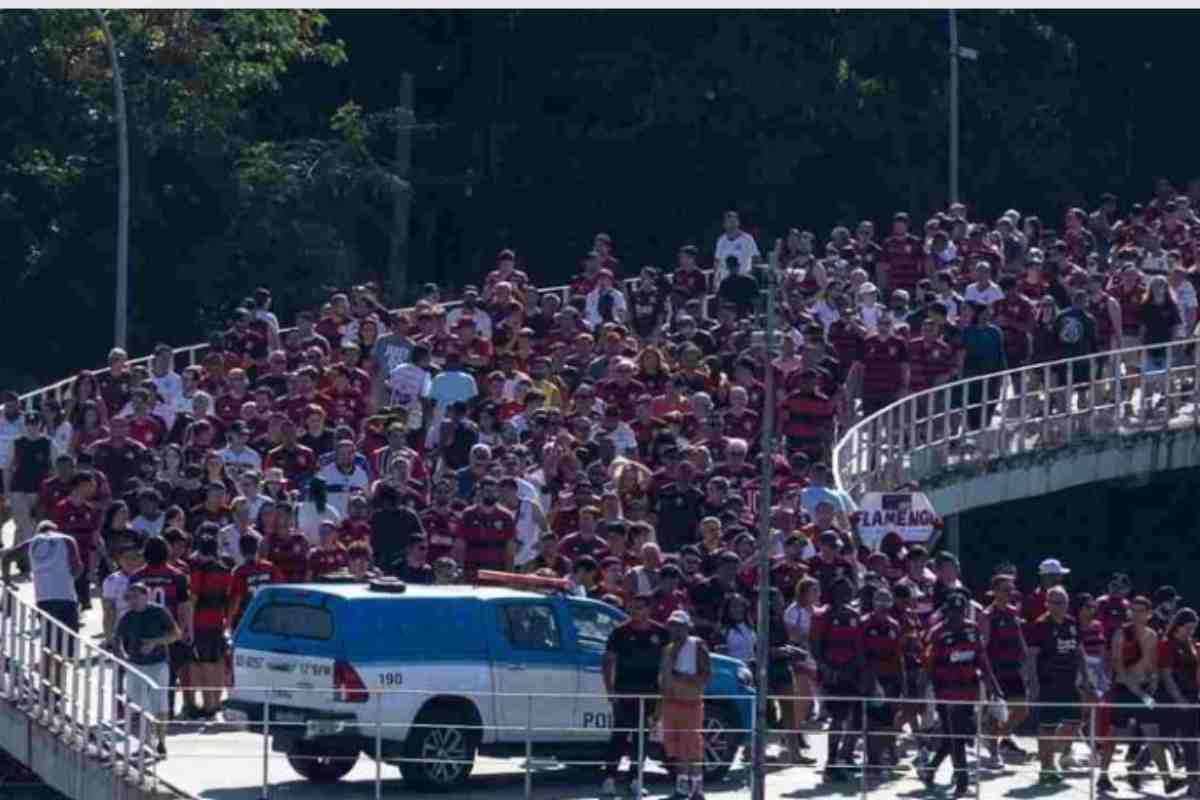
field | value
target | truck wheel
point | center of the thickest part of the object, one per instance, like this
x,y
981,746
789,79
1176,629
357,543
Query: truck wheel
x,y
321,762
722,740
440,753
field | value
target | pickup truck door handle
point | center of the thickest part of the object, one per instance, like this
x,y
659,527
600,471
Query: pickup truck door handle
x,y
280,666
515,667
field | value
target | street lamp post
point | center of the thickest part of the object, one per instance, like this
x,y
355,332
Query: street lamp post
x,y
953,107
121,316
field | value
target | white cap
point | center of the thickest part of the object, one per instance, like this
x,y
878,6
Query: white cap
x,y
1052,566
867,287
679,617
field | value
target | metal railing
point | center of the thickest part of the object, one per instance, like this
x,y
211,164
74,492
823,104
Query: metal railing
x,y
958,428
76,689
875,725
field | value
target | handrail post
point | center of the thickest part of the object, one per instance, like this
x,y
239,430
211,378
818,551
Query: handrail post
x,y
266,750
1093,754
641,748
86,717
379,745
978,750
862,781
529,750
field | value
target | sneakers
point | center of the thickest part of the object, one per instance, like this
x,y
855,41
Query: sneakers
x,y
991,762
1105,785
1049,777
1009,745
608,788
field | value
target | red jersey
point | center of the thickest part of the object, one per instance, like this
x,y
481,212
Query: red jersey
x,y
786,574
904,259
664,603
354,530
1098,308
80,522
168,586
1130,301
743,426
324,561
247,578
953,658
211,587
882,360
1004,640
1034,290
929,360
840,633
289,554
807,415
442,530
487,533
1113,612
347,407
623,397
229,407
149,431
883,645
1093,637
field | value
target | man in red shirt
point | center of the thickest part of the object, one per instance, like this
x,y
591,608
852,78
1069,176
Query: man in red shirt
x,y
882,360
1016,316
328,556
145,428
488,532
248,576
117,456
75,516
902,262
806,417
211,586
298,462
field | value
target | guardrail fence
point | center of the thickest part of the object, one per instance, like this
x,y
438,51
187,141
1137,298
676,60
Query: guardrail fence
x,y
969,422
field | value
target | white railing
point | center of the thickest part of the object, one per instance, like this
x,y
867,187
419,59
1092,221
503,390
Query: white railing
x,y
957,428
76,689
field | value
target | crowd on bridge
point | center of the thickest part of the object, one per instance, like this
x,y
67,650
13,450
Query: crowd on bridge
x,y
611,434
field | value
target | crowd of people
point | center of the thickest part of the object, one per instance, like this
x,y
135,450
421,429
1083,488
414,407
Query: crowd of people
x,y
610,434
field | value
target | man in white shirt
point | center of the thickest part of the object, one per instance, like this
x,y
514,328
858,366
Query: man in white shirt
x,y
12,426
984,290
613,428
229,538
150,519
166,379
237,456
410,385
734,242
605,303
470,308
343,477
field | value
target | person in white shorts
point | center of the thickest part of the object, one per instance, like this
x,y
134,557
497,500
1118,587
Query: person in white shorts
x,y
142,638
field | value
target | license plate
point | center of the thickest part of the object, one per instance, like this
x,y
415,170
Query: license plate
x,y
324,727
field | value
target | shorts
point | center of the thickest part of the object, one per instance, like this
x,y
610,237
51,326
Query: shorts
x,y
1133,710
1012,684
210,647
1051,716
844,710
55,638
149,697
180,655
683,730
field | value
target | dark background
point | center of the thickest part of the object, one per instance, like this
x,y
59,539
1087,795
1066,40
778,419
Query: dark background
x,y
537,129
1147,528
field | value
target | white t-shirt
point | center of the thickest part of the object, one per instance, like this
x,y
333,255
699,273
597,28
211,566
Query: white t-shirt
x,y
241,460
409,384
483,320
148,527
169,386
341,485
308,520
988,295
739,642
113,590
743,246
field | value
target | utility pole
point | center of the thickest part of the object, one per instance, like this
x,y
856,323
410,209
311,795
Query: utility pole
x,y
398,254
953,106
763,635
121,314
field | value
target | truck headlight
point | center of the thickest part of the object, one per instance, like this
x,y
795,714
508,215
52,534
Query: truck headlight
x,y
745,677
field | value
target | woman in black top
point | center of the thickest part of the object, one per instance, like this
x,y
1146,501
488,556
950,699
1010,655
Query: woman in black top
x,y
1159,318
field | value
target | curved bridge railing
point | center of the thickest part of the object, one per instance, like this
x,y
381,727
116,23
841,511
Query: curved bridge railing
x,y
1021,417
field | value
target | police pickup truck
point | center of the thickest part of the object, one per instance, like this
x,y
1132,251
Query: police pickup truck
x,y
433,675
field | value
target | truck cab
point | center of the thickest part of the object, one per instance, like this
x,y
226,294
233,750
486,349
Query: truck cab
x,y
428,677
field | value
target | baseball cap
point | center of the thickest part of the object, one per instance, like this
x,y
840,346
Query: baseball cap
x,y
1052,566
679,617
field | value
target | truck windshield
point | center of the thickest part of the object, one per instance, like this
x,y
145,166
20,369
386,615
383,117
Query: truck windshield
x,y
294,621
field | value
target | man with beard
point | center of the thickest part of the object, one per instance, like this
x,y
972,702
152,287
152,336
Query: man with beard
x,y
488,532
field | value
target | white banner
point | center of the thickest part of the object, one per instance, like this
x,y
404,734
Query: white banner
x,y
909,514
